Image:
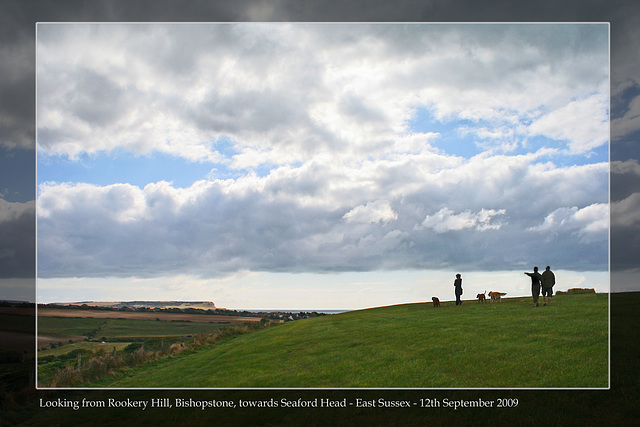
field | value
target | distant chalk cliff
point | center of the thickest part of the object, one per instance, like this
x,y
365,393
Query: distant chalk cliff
x,y
202,305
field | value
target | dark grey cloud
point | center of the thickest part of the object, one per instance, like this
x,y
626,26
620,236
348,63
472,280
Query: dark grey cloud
x,y
625,179
17,239
17,110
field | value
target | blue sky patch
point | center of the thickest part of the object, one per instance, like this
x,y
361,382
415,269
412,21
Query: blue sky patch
x,y
468,138
450,141
126,167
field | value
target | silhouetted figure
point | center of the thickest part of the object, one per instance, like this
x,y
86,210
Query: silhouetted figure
x,y
548,280
457,284
535,284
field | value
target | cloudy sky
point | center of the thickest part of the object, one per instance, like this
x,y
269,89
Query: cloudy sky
x,y
17,107
319,165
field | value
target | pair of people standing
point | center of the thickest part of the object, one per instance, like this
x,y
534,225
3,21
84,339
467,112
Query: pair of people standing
x,y
545,280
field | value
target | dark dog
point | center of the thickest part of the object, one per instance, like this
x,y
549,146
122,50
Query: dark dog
x,y
482,297
436,302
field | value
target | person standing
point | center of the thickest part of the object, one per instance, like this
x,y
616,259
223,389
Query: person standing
x,y
548,280
457,284
535,284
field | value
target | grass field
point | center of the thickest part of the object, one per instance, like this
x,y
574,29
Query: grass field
x,y
115,329
125,328
68,325
510,344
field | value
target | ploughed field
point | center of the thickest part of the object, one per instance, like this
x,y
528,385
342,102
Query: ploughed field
x,y
508,344
141,315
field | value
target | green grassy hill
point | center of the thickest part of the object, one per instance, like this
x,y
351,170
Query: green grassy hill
x,y
509,344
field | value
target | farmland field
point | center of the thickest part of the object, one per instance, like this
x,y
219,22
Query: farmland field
x,y
508,344
141,315
64,335
62,325
113,329
67,325
113,326
126,328
54,330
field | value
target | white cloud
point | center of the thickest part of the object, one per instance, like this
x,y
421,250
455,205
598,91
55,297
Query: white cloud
x,y
331,110
378,211
590,223
304,217
282,92
447,220
583,123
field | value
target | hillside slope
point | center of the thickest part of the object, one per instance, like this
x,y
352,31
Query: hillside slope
x,y
507,345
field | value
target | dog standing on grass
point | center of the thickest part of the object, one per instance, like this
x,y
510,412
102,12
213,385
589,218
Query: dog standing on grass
x,y
436,302
496,296
482,297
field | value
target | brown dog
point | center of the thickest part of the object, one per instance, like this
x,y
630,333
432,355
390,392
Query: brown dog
x,y
436,302
496,296
482,297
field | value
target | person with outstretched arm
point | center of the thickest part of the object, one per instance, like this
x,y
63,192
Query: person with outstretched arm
x,y
536,279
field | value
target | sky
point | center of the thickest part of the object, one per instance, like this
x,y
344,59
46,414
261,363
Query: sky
x,y
17,107
319,166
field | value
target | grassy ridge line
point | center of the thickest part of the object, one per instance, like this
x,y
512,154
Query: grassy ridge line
x,y
617,406
508,344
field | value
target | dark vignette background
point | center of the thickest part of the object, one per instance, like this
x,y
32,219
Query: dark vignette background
x,y
17,185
